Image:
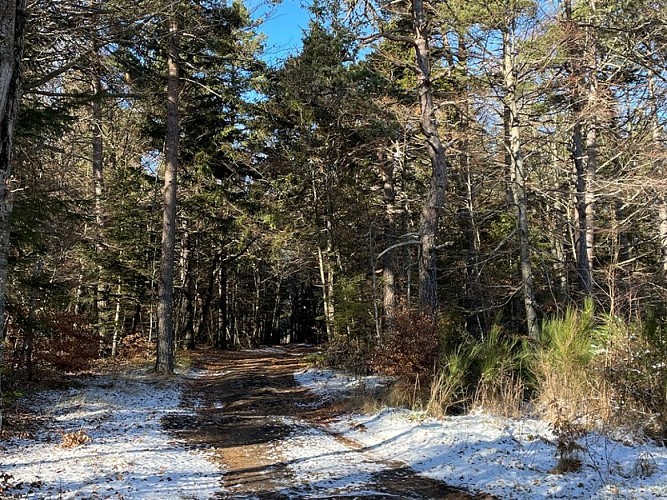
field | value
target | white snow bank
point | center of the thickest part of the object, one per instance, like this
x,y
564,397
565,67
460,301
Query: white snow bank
x,y
507,458
130,456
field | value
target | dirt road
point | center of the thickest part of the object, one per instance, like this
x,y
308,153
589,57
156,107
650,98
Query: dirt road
x,y
271,437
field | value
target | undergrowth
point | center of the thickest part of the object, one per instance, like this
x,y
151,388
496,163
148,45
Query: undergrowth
x,y
563,365
585,371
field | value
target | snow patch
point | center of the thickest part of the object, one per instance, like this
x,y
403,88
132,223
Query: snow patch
x,y
331,384
130,456
508,458
320,465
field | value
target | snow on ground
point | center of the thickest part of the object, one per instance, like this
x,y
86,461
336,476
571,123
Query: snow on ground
x,y
505,457
130,456
322,466
329,384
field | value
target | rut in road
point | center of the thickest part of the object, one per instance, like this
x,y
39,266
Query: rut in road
x,y
271,438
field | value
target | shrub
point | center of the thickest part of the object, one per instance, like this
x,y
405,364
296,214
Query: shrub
x,y
410,350
352,356
68,345
59,341
634,368
135,346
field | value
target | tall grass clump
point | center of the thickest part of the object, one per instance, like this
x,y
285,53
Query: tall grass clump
x,y
567,384
484,373
449,386
500,362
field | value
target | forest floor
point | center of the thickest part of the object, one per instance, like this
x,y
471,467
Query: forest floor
x,y
260,424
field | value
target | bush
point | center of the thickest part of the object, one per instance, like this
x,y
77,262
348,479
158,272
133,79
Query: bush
x,y
410,350
58,341
352,356
69,345
614,373
634,367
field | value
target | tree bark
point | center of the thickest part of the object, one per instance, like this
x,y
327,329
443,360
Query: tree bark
x,y
12,23
435,197
584,150
591,137
518,181
165,342
389,167
662,231
97,142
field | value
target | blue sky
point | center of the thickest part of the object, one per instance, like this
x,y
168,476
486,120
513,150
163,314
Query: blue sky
x,y
284,26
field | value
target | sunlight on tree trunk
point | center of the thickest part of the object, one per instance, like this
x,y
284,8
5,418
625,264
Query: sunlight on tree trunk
x,y
518,176
165,342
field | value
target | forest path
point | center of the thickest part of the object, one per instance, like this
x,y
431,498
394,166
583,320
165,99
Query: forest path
x,y
271,437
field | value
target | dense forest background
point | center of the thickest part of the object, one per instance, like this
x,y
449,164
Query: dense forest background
x,y
467,194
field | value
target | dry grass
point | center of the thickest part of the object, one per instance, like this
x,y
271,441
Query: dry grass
x,y
444,394
502,396
404,394
574,393
567,432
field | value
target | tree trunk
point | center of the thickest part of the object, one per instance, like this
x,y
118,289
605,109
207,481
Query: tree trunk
x,y
207,300
30,323
472,292
97,142
188,294
327,281
658,164
591,138
662,230
584,153
435,197
275,314
255,324
117,323
583,262
12,22
165,343
223,318
518,184
389,167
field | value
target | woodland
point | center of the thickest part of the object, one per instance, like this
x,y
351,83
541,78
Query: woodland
x,y
468,195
